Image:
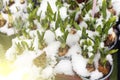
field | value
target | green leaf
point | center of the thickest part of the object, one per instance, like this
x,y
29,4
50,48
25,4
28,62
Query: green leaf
x,y
41,41
84,34
76,26
58,21
99,29
86,7
32,15
91,59
49,12
24,45
59,3
73,5
113,51
65,35
108,24
104,7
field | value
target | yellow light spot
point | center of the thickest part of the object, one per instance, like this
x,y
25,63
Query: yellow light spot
x,y
5,68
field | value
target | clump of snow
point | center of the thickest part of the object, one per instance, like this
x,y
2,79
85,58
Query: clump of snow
x,y
52,25
109,58
72,39
90,54
63,12
91,34
79,65
79,32
99,21
64,67
83,24
52,49
73,50
49,37
47,72
25,60
58,32
96,60
95,75
116,4
90,48
102,45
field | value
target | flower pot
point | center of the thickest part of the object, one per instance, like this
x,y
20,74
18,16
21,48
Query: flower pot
x,y
67,77
103,78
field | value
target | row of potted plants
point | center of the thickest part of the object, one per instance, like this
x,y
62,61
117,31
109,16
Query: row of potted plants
x,y
69,35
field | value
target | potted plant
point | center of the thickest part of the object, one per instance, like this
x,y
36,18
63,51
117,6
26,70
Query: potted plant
x,y
62,39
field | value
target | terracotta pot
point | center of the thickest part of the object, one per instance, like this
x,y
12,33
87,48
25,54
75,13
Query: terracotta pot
x,y
66,77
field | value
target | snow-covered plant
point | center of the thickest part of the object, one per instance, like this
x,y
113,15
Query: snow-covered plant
x,y
86,7
41,41
104,52
64,47
22,46
32,16
19,24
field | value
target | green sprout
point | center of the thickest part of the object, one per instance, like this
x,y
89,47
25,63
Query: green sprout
x,y
41,40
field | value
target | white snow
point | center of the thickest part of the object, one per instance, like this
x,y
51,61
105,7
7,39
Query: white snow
x,y
91,34
95,75
102,45
64,67
90,48
72,39
49,37
25,60
83,24
47,72
52,25
79,65
96,59
73,50
52,49
109,58
63,12
58,32
116,4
